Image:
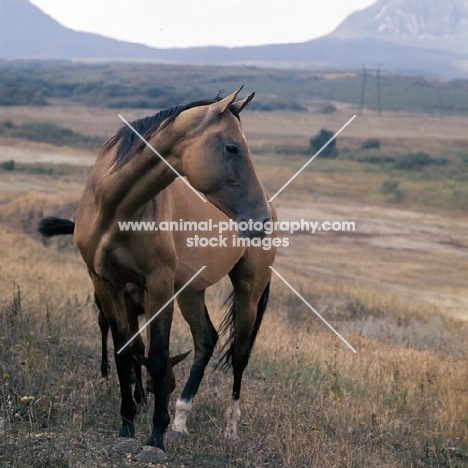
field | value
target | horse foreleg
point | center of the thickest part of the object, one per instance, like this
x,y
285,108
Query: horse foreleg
x,y
159,331
205,337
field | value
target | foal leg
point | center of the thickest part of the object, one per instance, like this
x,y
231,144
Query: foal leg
x,y
113,307
205,336
133,312
104,327
251,286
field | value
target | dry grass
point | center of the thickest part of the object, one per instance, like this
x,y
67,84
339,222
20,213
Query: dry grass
x,y
402,131
401,401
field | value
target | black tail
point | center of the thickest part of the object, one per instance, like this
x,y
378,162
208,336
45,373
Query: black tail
x,y
228,327
53,226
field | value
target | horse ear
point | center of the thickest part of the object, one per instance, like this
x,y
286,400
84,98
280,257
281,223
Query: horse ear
x,y
221,106
174,360
239,106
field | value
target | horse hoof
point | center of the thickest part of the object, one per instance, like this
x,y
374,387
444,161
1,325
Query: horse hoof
x,y
126,445
175,436
151,454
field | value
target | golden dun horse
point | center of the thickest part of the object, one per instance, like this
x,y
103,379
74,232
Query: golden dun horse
x,y
204,142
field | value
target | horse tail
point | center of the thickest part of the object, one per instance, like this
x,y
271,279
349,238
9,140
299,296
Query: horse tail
x,y
53,226
228,327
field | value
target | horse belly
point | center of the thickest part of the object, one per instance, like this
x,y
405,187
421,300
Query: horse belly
x,y
217,263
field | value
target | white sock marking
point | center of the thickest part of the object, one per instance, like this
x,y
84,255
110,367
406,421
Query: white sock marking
x,y
183,409
232,416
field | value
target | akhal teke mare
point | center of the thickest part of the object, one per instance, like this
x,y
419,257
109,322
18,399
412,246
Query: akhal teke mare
x,y
204,142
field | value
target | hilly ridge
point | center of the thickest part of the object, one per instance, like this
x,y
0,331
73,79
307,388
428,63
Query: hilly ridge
x,y
391,33
421,23
27,32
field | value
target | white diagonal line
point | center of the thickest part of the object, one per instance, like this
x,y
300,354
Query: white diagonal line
x,y
162,159
313,310
312,158
161,309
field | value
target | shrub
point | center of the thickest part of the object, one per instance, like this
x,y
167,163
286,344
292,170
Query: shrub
x,y
274,106
8,124
414,161
317,142
371,143
398,196
8,165
20,96
391,187
388,186
47,132
327,109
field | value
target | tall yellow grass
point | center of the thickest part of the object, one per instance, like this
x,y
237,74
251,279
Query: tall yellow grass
x,y
307,401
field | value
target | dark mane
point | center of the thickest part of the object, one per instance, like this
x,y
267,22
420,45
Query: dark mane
x,y
129,143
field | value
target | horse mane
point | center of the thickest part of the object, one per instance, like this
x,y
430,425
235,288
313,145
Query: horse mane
x,y
129,143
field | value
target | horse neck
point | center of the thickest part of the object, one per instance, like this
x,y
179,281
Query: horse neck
x,y
126,191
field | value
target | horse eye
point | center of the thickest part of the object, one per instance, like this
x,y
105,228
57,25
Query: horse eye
x,y
232,150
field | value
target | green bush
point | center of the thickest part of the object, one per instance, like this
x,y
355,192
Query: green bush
x,y
8,124
20,96
414,161
8,165
47,132
274,106
389,186
398,196
327,109
317,142
371,143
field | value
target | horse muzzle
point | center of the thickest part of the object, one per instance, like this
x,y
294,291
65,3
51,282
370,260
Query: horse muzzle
x,y
255,229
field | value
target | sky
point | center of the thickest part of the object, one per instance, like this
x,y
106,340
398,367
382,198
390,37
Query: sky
x,y
177,23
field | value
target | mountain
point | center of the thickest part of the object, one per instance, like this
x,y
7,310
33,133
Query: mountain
x,y
404,36
27,32
422,23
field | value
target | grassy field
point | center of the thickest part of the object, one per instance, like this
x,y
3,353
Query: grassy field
x,y
402,400
116,85
395,288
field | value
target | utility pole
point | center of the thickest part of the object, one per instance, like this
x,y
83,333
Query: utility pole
x,y
372,72
363,89
379,102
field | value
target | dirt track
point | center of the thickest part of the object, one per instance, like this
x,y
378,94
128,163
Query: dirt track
x,y
421,256
44,154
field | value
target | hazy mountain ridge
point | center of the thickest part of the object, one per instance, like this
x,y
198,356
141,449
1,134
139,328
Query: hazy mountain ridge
x,y
390,33
433,23
28,32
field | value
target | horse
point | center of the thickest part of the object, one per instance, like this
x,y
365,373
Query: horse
x,y
204,145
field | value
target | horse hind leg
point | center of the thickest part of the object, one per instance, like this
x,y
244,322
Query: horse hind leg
x,y
205,337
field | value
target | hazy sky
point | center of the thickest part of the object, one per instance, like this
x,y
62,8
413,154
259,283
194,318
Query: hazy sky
x,y
177,23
